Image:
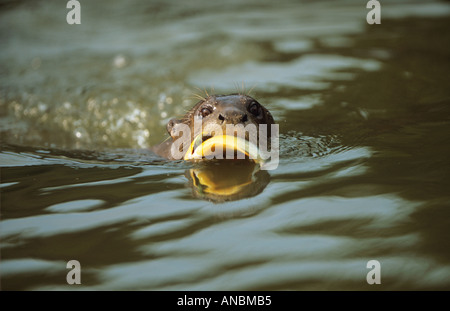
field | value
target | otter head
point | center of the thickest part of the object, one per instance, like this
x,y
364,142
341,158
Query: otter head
x,y
219,115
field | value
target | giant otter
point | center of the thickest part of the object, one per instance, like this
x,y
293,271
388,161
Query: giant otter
x,y
213,111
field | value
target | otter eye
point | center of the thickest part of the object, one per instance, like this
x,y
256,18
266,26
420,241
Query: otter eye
x,y
205,112
254,109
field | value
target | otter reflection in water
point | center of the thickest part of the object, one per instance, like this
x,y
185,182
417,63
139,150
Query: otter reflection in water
x,y
250,132
223,180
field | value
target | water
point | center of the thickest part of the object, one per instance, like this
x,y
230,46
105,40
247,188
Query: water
x,y
364,116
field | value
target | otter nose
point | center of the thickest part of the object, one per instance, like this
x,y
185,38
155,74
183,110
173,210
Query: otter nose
x,y
233,116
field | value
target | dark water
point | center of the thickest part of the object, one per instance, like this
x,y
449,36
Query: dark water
x,y
364,113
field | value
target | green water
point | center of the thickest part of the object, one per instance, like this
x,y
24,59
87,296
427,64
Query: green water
x,y
364,113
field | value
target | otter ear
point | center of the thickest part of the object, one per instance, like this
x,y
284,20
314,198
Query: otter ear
x,y
171,124
174,127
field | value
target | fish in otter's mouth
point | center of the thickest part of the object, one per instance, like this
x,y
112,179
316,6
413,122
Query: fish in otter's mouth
x,y
222,147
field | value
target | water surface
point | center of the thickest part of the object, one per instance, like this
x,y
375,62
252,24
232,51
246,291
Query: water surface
x,y
364,114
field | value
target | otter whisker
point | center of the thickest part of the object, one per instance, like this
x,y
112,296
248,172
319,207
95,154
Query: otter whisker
x,y
167,138
249,92
236,86
203,91
197,96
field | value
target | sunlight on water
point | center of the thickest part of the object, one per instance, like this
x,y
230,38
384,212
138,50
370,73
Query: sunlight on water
x,y
364,146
